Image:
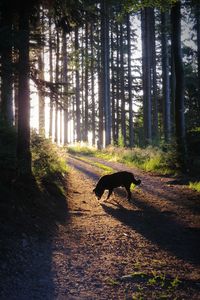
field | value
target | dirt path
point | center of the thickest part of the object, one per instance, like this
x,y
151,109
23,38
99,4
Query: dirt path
x,y
117,250
147,249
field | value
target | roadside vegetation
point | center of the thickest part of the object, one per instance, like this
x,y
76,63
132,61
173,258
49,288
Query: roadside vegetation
x,y
151,159
148,159
34,204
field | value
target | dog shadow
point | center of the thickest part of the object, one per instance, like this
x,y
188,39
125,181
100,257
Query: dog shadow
x,y
158,227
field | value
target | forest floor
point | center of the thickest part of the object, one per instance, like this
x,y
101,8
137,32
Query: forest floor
x,y
148,248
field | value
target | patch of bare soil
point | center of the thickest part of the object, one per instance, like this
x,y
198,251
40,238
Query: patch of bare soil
x,y
146,249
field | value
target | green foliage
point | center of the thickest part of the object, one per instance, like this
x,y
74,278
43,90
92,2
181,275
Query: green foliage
x,y
195,186
148,159
47,158
78,149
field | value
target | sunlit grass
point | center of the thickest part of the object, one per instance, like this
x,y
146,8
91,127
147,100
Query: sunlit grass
x,y
106,169
195,186
47,158
79,149
149,159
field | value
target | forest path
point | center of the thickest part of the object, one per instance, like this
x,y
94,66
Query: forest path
x,y
146,249
117,250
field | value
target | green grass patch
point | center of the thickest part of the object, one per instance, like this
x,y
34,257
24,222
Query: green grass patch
x,y
106,169
78,149
195,186
149,159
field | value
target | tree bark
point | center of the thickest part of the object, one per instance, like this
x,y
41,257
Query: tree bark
x,y
165,79
131,132
179,92
105,70
146,67
23,137
78,112
6,68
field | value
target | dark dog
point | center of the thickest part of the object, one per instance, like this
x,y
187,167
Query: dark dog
x,y
109,182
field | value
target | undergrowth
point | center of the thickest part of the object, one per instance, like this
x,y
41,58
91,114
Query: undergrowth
x,y
195,186
149,159
37,204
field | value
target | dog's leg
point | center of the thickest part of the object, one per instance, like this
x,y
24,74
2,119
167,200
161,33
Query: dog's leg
x,y
110,192
127,187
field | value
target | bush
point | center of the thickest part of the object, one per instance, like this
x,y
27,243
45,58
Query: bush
x,y
47,158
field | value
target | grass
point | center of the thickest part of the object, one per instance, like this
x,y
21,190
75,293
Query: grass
x,y
195,186
153,285
149,159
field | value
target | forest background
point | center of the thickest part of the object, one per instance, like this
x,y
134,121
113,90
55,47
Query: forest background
x,y
121,73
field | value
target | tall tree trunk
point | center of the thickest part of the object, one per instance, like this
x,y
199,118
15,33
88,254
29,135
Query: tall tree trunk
x,y
198,48
51,79
78,112
105,78
6,68
100,98
118,117
165,78
123,113
23,138
131,133
65,79
57,89
146,67
113,84
179,93
86,84
40,94
41,77
92,84
155,135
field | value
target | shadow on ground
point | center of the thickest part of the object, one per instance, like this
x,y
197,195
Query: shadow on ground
x,y
30,216
160,228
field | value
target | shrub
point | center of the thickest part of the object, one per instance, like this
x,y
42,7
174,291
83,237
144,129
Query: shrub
x,y
47,158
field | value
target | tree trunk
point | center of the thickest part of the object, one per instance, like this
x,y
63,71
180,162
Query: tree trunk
x,y
23,138
146,67
105,70
92,84
6,69
57,89
40,94
123,114
165,78
198,49
179,93
65,79
51,80
131,133
86,85
78,113
155,135
100,96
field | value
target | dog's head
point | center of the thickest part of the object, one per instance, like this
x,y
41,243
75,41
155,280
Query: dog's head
x,y
98,193
138,182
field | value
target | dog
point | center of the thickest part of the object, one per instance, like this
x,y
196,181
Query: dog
x,y
109,182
